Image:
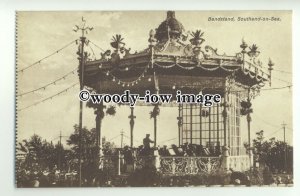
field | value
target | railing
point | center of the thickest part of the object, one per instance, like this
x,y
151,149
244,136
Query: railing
x,y
255,70
176,165
189,165
239,163
142,161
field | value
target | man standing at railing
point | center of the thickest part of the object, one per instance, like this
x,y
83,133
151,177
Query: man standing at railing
x,y
128,158
146,143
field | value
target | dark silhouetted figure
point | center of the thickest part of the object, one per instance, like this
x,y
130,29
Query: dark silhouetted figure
x,y
146,143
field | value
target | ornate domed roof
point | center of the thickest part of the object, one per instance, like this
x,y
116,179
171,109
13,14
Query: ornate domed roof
x,y
170,28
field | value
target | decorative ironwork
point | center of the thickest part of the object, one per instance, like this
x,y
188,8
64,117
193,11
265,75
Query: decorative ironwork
x,y
253,51
197,39
143,161
168,165
239,163
189,165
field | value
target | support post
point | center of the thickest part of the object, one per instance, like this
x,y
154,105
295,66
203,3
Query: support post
x,y
99,117
155,131
285,146
249,129
131,122
218,126
119,162
249,137
59,152
225,115
179,123
155,114
81,74
191,123
156,109
209,127
225,158
200,124
122,135
156,160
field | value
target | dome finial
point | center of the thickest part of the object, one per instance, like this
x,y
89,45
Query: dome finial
x,y
169,28
170,14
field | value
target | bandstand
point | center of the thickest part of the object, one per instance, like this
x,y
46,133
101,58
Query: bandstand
x,y
174,60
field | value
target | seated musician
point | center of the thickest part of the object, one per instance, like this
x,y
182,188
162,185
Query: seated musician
x,y
218,149
189,150
164,151
176,151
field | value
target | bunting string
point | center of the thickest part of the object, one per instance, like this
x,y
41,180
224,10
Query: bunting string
x,y
49,98
96,46
46,57
49,84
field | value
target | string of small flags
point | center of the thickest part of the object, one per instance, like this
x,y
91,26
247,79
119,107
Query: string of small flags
x,y
278,70
281,80
49,98
46,57
97,46
49,84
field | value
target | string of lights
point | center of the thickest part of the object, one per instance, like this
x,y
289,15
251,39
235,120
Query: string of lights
x,y
281,80
46,57
128,83
114,137
276,88
129,138
49,84
265,89
94,56
266,122
246,90
287,72
96,46
168,140
48,98
278,70
273,133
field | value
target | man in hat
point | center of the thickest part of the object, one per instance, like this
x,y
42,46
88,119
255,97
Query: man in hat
x,y
164,151
146,143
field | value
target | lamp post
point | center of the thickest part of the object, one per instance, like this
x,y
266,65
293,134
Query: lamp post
x,y
270,64
285,146
243,46
82,57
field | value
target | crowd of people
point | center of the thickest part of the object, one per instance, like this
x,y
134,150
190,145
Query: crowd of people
x,y
95,175
56,178
46,178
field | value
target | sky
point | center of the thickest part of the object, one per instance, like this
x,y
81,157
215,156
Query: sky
x,y
42,33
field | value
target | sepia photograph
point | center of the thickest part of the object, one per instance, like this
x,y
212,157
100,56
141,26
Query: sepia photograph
x,y
154,99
